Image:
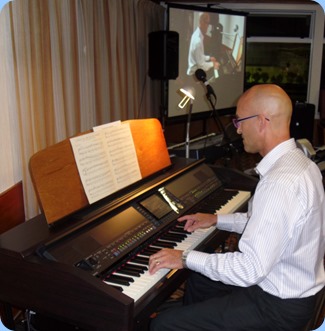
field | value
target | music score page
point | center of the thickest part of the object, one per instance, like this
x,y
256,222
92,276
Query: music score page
x,y
106,160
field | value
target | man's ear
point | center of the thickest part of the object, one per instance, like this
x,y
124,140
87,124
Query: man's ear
x,y
262,122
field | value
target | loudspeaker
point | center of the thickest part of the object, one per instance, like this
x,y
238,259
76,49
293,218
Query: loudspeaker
x,y
163,54
302,121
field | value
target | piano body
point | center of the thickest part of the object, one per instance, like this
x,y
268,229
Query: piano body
x,y
87,267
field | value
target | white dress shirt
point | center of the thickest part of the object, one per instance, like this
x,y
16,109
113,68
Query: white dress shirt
x,y
196,57
282,244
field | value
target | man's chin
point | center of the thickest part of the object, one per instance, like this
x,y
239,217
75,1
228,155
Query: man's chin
x,y
247,149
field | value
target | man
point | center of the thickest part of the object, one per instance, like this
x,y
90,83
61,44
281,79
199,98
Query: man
x,y
271,283
196,56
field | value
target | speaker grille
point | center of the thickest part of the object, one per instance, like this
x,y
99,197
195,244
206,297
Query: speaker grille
x,y
163,54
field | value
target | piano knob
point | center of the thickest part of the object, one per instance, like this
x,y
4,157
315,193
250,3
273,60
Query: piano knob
x,y
92,261
88,264
84,265
179,205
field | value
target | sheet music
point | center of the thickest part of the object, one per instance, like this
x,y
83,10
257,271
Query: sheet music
x,y
122,154
106,160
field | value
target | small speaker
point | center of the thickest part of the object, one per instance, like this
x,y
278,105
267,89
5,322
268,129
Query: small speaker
x,y
302,121
163,54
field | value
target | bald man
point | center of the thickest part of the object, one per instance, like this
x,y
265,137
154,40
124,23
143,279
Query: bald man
x,y
272,282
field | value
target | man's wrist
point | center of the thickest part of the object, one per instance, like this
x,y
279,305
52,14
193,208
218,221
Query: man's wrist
x,y
184,257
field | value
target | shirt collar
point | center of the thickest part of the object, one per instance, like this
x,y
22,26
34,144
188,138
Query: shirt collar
x,y
270,158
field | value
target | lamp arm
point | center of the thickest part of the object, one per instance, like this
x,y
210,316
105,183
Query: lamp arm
x,y
188,124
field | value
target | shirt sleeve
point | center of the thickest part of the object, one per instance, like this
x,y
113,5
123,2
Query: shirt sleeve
x,y
261,245
232,222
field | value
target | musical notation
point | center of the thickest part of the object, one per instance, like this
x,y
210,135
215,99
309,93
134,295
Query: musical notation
x,y
106,160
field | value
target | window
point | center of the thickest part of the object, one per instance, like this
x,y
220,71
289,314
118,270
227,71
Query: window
x,y
284,64
278,51
275,25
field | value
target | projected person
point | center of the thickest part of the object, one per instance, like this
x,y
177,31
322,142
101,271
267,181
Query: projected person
x,y
213,44
273,280
197,59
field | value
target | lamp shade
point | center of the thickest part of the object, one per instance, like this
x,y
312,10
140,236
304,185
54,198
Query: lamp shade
x,y
188,93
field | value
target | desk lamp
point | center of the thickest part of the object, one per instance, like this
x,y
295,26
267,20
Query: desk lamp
x,y
188,93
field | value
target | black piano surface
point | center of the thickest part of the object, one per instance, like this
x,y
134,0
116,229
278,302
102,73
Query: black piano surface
x,y
60,271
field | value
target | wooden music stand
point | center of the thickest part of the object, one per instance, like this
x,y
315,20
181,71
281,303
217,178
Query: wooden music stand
x,y
56,179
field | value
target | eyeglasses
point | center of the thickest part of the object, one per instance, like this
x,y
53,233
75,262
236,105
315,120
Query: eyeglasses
x,y
236,121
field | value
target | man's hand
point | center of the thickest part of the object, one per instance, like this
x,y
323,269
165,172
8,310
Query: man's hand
x,y
216,65
166,258
198,221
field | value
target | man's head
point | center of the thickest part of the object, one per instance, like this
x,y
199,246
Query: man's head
x,y
268,110
204,21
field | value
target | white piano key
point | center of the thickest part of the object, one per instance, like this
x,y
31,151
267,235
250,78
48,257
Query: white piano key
x,y
236,202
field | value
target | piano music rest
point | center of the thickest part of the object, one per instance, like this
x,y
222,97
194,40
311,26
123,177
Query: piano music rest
x,y
56,179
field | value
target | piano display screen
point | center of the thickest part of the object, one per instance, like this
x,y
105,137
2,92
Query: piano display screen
x,y
156,206
117,226
114,231
192,181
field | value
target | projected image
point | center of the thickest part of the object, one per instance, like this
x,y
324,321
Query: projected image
x,y
215,43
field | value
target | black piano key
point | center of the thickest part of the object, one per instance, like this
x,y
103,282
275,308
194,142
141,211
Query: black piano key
x,y
172,237
129,272
119,281
132,270
207,209
216,201
179,229
122,280
222,199
141,260
180,226
164,244
179,235
149,251
179,232
140,269
119,288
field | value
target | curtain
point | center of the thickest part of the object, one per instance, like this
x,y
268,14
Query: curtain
x,y
66,66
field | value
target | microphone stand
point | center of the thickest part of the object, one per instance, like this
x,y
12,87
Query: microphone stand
x,y
227,147
216,117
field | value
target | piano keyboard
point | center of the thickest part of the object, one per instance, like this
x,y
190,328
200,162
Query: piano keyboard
x,y
134,279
